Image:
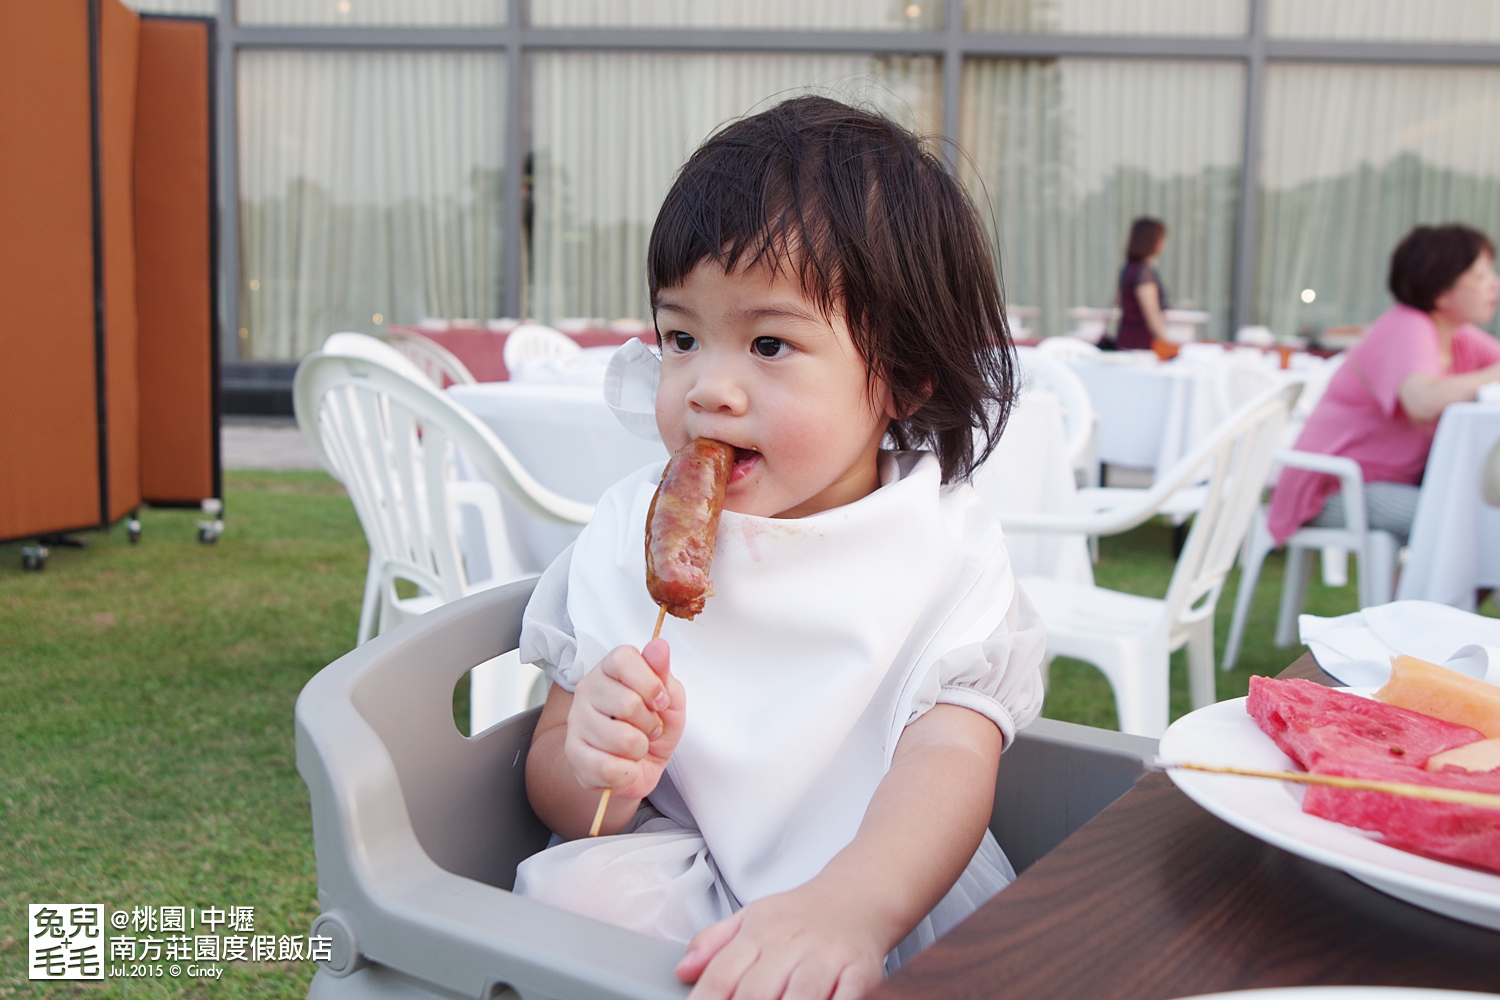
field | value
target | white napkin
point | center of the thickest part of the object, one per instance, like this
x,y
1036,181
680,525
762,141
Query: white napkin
x,y
630,383
1357,648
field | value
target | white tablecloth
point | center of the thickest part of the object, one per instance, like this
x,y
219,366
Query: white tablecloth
x,y
1028,471
1455,539
568,439
1150,414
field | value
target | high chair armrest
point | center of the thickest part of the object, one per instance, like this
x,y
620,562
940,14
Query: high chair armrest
x,y
402,886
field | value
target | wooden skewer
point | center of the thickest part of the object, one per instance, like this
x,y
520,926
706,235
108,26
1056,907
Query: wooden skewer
x,y
1459,796
661,616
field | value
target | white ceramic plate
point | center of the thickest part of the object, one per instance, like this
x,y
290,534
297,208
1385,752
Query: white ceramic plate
x,y
1224,734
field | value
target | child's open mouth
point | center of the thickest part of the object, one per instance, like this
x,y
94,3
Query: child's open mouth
x,y
744,461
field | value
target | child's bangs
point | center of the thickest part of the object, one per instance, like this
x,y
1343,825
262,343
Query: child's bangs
x,y
742,212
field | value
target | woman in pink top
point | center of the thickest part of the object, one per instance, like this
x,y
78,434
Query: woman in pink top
x,y
1382,406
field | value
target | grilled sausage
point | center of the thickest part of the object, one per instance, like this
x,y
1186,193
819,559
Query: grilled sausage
x,y
682,524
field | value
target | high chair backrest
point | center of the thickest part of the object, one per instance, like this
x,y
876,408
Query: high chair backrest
x,y
418,829
1237,458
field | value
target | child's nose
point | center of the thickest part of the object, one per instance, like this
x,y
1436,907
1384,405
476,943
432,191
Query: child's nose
x,y
718,391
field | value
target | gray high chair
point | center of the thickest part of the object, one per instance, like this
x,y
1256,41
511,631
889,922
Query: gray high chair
x,y
418,829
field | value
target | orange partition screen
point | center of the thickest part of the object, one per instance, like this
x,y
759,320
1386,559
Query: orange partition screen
x,y
119,40
174,264
49,419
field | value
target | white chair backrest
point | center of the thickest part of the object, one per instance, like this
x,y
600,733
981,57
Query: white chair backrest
x,y
362,345
1039,371
389,437
1238,457
1067,348
530,341
1239,378
1317,384
438,363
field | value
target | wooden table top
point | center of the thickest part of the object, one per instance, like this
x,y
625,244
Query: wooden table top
x,y
1155,899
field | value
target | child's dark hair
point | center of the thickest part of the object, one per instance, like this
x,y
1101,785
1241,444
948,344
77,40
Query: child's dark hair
x,y
878,230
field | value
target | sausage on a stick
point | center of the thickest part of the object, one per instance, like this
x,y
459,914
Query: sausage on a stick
x,y
681,527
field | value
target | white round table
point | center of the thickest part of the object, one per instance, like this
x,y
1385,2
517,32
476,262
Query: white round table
x,y
1150,414
1455,537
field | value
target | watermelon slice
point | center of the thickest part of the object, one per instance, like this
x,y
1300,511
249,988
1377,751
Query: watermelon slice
x,y
1445,830
1312,724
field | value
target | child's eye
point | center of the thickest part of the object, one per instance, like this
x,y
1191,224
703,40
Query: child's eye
x,y
769,347
680,342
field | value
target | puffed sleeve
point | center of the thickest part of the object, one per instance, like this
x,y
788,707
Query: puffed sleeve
x,y
1000,677
546,630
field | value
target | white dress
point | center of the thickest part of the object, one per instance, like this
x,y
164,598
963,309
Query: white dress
x,y
824,638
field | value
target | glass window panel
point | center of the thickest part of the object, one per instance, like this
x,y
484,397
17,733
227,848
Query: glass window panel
x,y
1064,153
370,192
610,130
343,12
1392,20
1109,17
894,15
1353,157
198,7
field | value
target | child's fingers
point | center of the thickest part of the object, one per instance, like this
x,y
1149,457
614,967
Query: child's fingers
x,y
723,976
768,978
636,672
614,701
658,655
855,981
705,945
597,768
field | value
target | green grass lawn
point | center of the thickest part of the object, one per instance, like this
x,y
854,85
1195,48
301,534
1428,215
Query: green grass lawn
x,y
146,753
146,747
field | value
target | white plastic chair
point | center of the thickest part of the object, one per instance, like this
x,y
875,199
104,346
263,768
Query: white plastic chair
x,y
438,363
391,438
1131,638
1080,422
1239,378
362,345
533,341
1375,551
1067,349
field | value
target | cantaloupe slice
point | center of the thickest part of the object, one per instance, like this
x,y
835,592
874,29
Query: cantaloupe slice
x,y
1481,756
1442,693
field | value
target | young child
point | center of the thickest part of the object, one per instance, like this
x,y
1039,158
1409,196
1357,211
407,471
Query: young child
x,y
803,775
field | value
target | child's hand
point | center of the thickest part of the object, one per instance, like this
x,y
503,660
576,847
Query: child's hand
x,y
626,718
805,944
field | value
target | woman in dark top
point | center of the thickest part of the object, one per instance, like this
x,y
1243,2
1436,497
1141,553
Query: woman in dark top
x,y
1140,295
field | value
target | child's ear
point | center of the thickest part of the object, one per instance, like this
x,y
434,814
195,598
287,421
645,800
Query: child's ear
x,y
900,409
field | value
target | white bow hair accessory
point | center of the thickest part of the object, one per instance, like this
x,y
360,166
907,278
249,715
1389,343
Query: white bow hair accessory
x,y
630,384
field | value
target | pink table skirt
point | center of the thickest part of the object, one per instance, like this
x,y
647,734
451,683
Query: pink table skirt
x,y
483,351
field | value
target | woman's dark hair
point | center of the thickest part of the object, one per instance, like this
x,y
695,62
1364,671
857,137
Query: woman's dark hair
x,y
1145,234
1430,259
877,230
